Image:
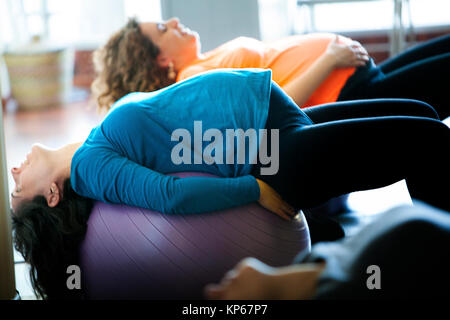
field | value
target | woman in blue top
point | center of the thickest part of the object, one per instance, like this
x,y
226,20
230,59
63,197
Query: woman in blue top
x,y
146,135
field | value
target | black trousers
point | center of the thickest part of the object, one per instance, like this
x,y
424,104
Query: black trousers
x,y
359,145
420,72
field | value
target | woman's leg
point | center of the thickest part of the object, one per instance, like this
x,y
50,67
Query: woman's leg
x,y
369,108
360,109
425,80
425,50
321,161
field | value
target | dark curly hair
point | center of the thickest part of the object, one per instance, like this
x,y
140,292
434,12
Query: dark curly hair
x,y
49,240
126,63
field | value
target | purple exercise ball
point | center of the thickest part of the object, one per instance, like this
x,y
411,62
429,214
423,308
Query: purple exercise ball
x,y
135,253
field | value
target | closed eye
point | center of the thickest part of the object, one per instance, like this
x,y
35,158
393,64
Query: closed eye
x,y
161,27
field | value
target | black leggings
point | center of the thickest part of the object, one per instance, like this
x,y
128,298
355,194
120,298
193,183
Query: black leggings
x,y
358,145
418,73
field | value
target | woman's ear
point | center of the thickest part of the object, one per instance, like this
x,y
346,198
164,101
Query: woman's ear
x,y
163,61
53,195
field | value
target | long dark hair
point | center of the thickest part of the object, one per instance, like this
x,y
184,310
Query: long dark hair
x,y
49,239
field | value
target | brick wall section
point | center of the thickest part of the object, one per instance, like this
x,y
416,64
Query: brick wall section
x,y
84,72
383,39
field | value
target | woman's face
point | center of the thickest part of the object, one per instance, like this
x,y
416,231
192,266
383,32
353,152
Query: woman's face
x,y
172,38
32,176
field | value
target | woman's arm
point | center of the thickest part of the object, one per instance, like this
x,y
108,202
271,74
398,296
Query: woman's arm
x,y
252,279
107,176
337,55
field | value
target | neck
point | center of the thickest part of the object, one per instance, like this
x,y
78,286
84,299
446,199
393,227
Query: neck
x,y
186,60
63,161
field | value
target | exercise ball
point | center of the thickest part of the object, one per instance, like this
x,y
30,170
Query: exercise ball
x,y
135,253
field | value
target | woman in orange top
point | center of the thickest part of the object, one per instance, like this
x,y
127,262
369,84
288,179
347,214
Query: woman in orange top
x,y
150,56
313,69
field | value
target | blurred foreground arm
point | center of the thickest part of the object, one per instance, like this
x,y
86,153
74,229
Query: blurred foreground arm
x,y
251,279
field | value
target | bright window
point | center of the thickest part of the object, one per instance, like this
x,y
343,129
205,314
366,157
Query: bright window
x,y
430,12
369,15
80,22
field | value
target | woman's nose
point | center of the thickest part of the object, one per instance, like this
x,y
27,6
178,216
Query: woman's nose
x,y
173,22
15,171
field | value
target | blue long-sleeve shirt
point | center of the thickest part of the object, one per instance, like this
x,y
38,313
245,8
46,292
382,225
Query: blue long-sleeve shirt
x,y
126,157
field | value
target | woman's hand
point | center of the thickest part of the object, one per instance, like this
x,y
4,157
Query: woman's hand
x,y
347,55
250,279
272,201
254,280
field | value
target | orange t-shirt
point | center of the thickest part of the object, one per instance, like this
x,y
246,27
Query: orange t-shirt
x,y
288,58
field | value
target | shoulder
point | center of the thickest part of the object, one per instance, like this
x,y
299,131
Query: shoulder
x,y
244,52
125,118
130,100
240,52
129,106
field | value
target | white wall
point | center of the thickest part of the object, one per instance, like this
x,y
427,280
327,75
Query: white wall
x,y
277,18
217,21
